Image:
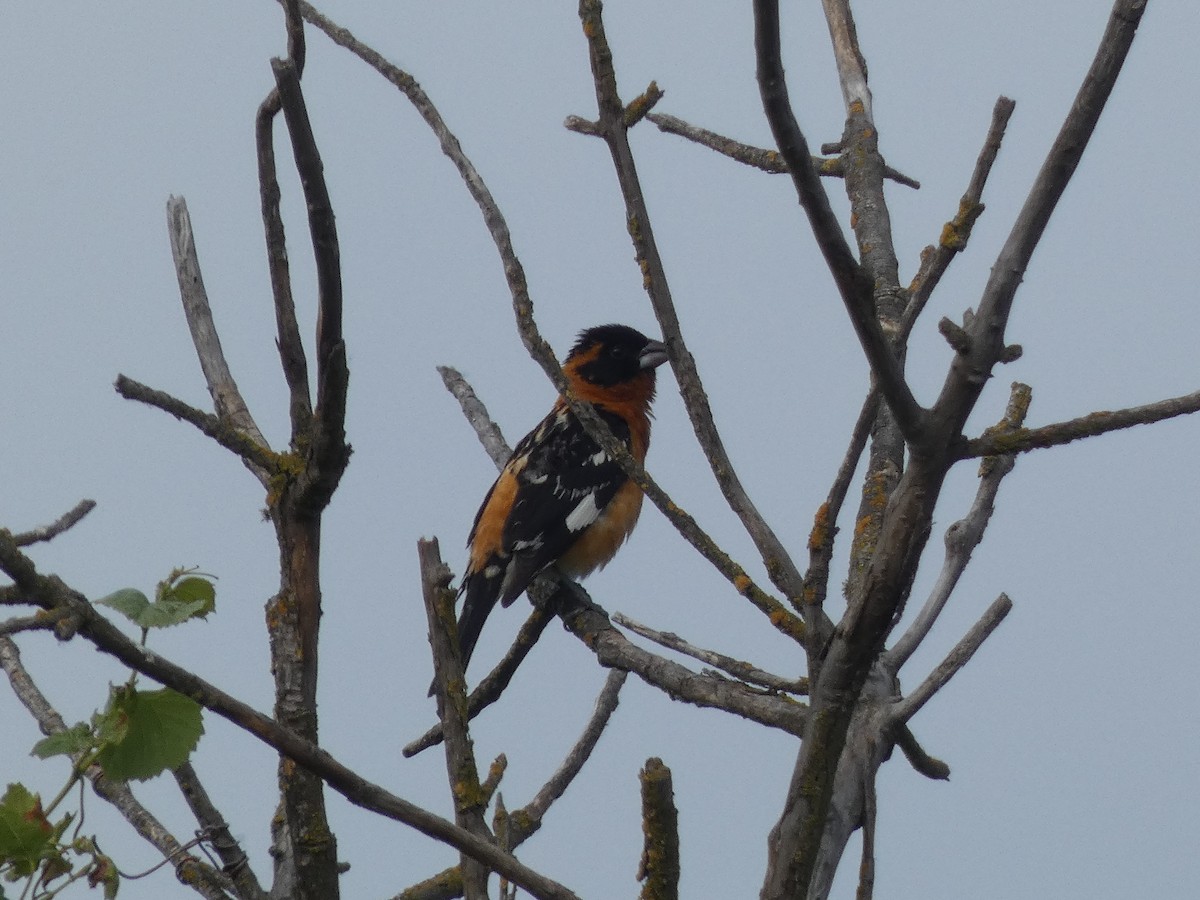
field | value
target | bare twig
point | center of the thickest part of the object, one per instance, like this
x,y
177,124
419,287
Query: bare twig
x,y
220,431
63,523
957,231
39,621
1025,439
234,862
929,766
322,229
329,450
958,657
227,399
735,667
821,538
851,67
590,623
866,868
486,429
531,815
864,173
964,535
494,221
759,157
290,346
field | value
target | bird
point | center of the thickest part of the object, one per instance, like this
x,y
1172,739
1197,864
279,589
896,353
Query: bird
x,y
561,500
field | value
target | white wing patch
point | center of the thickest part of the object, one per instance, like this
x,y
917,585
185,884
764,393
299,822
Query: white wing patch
x,y
584,514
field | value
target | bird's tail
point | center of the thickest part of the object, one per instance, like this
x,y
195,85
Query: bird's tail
x,y
479,600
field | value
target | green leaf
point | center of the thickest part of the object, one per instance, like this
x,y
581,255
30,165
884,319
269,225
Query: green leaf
x,y
151,732
178,600
76,739
130,602
196,593
25,832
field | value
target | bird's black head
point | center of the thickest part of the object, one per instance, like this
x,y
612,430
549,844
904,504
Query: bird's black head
x,y
613,354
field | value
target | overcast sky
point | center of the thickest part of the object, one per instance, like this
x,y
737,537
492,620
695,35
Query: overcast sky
x,y
1072,735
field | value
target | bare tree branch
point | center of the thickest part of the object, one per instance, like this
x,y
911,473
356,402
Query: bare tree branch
x,y
737,668
964,535
659,867
535,810
227,399
958,657
956,232
290,346
590,623
796,840
821,538
866,868
63,523
39,621
233,440
234,862
494,221
869,216
470,801
486,429
1093,424
922,762
759,157
330,453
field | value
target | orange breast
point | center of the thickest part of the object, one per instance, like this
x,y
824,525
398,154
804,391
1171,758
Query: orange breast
x,y
601,540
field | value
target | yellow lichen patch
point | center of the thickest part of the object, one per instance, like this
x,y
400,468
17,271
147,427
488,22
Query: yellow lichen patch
x,y
742,583
820,536
862,526
951,239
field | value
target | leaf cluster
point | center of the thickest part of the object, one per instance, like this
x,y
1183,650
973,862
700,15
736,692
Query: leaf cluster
x,y
137,736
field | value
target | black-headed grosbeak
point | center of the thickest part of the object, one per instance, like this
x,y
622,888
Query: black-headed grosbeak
x,y
560,499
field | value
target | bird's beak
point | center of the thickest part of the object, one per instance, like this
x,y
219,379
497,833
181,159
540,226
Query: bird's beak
x,y
653,355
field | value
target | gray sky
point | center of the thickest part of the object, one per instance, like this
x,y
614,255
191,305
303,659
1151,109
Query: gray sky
x,y
1071,735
